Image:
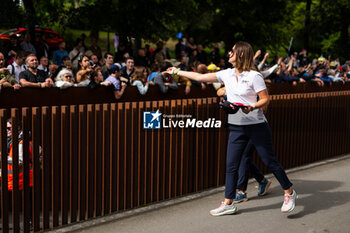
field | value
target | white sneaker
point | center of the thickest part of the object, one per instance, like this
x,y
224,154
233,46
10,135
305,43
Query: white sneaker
x,y
289,202
224,209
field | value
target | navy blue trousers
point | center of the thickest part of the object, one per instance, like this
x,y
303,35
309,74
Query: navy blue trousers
x,y
260,137
247,166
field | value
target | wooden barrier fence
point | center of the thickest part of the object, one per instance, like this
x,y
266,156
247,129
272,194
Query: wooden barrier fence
x,y
96,159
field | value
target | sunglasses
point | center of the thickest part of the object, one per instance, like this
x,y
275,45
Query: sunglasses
x,y
68,76
9,128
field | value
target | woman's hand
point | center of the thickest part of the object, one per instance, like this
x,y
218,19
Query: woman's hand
x,y
248,109
171,71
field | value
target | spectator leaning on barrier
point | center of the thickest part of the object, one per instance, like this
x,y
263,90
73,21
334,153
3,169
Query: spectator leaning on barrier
x,y
17,66
129,69
53,71
96,79
183,81
119,83
154,72
83,75
64,79
44,64
322,74
139,79
6,79
108,59
165,81
32,77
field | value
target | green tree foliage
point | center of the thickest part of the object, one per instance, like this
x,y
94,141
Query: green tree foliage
x,y
331,25
259,22
321,25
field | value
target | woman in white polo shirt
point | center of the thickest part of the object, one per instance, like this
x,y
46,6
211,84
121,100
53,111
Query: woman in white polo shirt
x,y
243,84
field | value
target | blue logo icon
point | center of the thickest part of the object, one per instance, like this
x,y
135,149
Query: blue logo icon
x,y
151,120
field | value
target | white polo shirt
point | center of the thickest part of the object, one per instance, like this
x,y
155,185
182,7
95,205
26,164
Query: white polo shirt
x,y
243,91
18,70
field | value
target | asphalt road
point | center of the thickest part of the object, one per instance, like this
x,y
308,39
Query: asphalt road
x,y
323,206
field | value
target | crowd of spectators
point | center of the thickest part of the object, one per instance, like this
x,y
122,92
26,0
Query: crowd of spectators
x,y
27,65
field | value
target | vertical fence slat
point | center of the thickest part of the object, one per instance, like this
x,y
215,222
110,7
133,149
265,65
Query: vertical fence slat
x,y
144,159
90,157
46,166
127,156
56,171
65,171
15,170
121,189
106,155
4,181
98,161
73,157
140,144
172,158
134,149
114,157
26,170
82,153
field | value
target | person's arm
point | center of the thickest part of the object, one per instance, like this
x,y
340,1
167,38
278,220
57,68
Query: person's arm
x,y
264,100
25,83
256,55
290,65
118,94
209,77
260,66
158,80
142,88
81,74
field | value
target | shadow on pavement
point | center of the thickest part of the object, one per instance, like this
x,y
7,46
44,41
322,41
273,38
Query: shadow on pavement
x,y
313,196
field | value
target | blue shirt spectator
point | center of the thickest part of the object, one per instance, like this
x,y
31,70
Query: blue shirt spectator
x,y
60,53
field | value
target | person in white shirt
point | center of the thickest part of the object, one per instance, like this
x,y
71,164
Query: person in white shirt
x,y
44,64
17,66
243,84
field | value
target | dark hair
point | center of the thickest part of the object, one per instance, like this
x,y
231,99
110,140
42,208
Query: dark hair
x,y
155,67
106,55
129,58
20,54
65,58
164,66
138,74
321,66
80,58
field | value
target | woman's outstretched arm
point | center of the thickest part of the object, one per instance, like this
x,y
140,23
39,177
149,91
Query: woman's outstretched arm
x,y
209,77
